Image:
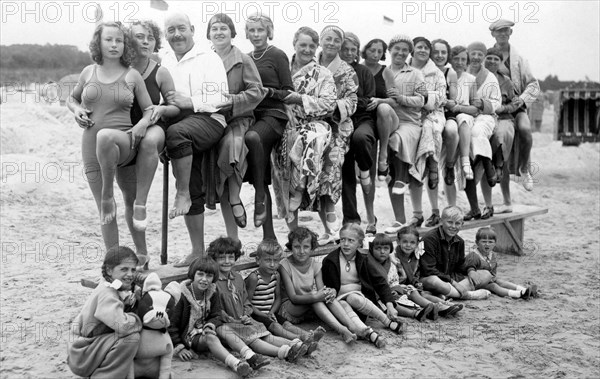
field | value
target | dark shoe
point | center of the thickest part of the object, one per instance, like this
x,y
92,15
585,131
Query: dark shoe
x,y
376,339
434,313
433,177
530,291
259,218
295,351
450,311
490,172
472,215
416,221
423,313
382,174
450,177
487,213
371,229
243,369
239,220
398,328
433,220
257,361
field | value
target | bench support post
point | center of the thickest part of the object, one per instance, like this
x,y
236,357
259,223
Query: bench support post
x,y
165,214
510,237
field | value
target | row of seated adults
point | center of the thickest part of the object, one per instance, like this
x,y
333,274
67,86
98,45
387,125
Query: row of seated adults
x,y
309,126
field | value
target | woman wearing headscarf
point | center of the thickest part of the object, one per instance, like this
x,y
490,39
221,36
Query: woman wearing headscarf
x,y
346,84
298,163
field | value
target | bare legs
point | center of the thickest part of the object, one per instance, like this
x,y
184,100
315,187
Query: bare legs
x,y
387,122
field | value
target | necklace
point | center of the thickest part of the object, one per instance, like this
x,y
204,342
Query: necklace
x,y
262,55
147,65
347,267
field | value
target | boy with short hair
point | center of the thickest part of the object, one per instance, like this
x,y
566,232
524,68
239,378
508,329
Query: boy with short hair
x,y
443,269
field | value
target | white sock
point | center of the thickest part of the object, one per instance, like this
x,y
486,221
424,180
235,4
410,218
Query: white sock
x,y
515,294
231,361
246,352
283,351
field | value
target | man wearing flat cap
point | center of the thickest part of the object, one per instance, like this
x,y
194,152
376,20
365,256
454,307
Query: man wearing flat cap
x,y
527,89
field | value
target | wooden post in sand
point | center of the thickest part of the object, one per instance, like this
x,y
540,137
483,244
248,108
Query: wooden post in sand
x,y
165,214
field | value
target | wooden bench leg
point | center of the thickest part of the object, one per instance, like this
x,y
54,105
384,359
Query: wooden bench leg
x,y
510,237
165,214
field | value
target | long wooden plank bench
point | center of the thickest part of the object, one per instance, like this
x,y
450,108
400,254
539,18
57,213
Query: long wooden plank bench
x,y
510,228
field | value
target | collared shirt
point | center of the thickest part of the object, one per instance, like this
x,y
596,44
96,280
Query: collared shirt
x,y
444,257
201,76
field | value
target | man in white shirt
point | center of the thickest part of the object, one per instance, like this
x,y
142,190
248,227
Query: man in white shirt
x,y
200,81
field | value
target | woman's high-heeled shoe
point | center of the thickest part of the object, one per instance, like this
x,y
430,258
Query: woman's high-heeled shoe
x,y
240,221
140,225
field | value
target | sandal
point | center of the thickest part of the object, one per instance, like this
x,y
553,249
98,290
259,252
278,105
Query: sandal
x,y
396,329
365,182
394,228
416,221
371,229
376,339
449,176
239,220
433,175
423,313
472,215
382,174
433,220
487,212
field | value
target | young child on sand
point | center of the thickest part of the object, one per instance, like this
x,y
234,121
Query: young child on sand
x,y
483,258
402,272
106,331
196,317
263,287
303,289
358,283
237,307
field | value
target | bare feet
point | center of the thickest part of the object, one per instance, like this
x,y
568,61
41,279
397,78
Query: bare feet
x,y
182,205
108,210
186,261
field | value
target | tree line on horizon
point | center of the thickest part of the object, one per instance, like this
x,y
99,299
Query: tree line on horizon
x,y
29,63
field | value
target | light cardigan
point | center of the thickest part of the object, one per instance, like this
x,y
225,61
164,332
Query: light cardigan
x,y
201,76
526,85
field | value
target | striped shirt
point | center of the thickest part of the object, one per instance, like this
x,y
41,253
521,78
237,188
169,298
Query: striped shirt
x,y
264,294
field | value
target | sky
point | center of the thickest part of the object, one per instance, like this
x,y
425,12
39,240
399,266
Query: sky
x,y
557,37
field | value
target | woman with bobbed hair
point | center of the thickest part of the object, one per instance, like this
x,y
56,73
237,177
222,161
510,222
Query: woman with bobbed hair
x,y
271,117
245,93
299,161
363,143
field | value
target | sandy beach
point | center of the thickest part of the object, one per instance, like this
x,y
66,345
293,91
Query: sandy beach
x,y
51,239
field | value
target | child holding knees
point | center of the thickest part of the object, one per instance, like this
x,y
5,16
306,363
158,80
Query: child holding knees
x,y
237,308
358,283
304,294
402,272
196,316
264,292
483,258
106,331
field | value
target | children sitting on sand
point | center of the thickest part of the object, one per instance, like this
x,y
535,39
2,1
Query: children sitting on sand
x,y
483,260
264,292
237,308
402,272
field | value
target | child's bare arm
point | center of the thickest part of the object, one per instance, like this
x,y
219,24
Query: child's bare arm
x,y
299,299
277,301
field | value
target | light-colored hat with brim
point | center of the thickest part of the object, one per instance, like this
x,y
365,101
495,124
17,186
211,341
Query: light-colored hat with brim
x,y
501,24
